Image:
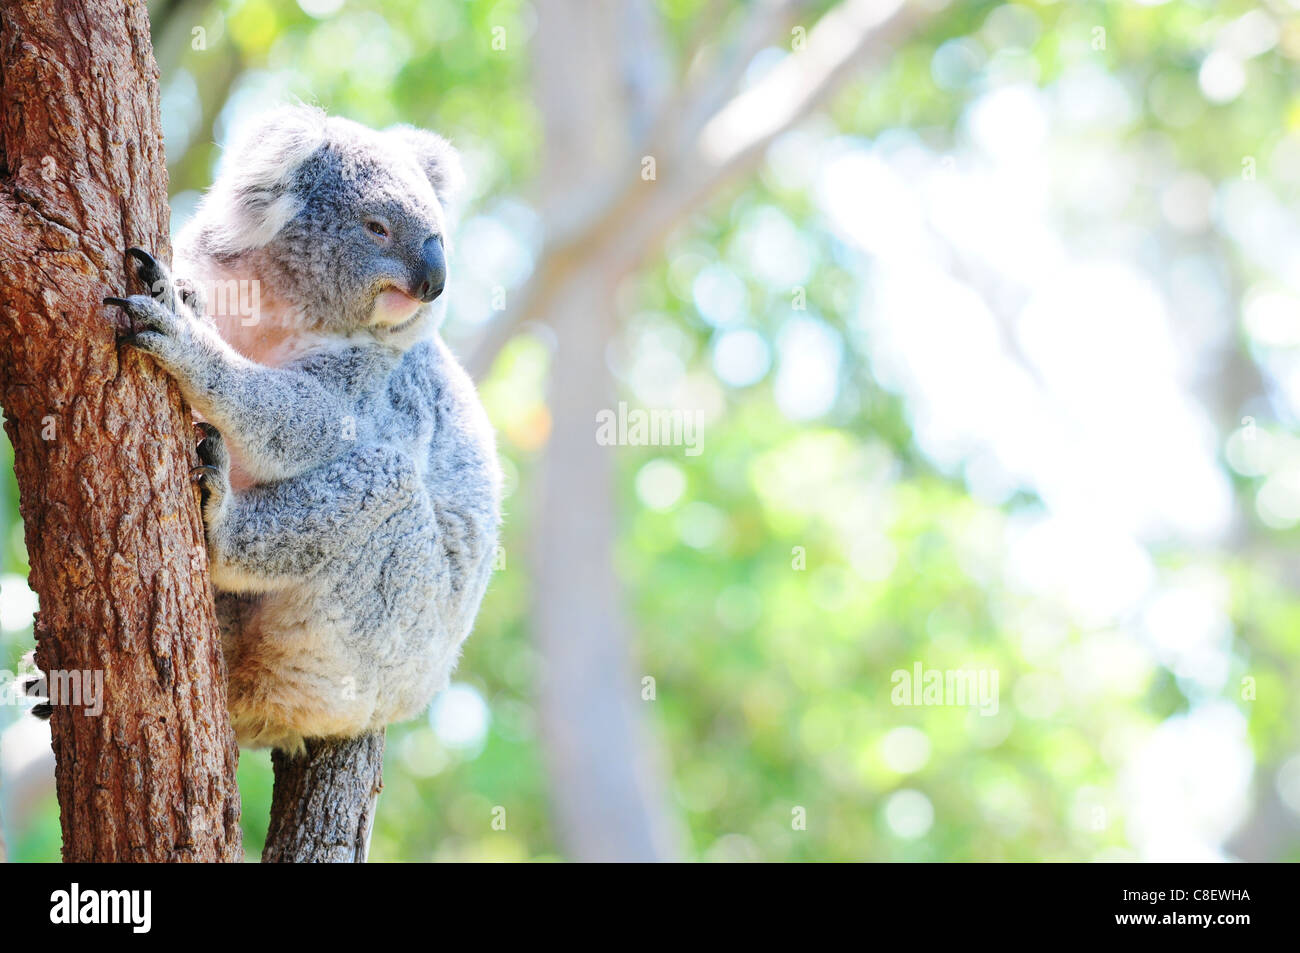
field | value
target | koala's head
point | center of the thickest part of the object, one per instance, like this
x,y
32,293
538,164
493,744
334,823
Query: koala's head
x,y
346,223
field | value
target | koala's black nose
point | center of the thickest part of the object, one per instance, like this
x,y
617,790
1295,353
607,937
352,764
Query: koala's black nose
x,y
433,277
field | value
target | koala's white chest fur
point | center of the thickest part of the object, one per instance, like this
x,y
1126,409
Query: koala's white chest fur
x,y
273,335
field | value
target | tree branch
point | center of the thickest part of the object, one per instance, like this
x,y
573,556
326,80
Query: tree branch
x,y
697,102
323,804
852,37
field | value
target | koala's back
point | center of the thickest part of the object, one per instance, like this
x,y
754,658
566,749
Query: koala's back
x,y
407,521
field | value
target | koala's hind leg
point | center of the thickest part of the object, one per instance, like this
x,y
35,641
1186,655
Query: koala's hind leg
x,y
213,472
277,534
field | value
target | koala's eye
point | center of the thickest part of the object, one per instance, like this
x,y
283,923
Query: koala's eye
x,y
377,228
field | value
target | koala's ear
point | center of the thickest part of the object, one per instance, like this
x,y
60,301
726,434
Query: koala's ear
x,y
439,160
250,201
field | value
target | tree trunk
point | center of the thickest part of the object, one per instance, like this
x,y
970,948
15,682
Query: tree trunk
x,y
607,796
323,806
610,802
103,445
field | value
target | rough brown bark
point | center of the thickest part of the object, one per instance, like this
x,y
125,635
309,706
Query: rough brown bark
x,y
103,444
323,806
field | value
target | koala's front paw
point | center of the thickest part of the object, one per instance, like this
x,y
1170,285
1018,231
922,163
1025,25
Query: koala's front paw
x,y
151,327
212,474
158,322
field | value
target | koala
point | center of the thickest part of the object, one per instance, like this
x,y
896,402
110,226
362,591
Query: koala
x,y
348,473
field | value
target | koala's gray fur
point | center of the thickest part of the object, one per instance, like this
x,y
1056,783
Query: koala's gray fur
x,y
351,486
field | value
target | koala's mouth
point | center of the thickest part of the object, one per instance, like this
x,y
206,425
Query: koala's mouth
x,y
394,309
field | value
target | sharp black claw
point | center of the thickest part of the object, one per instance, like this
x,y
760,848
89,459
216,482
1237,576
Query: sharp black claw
x,y
118,302
150,273
143,257
43,712
197,473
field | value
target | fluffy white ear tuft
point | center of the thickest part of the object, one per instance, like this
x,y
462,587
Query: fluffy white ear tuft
x,y
438,158
250,201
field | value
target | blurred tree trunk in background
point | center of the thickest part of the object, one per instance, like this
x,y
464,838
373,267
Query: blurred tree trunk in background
x,y
103,445
608,797
604,90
